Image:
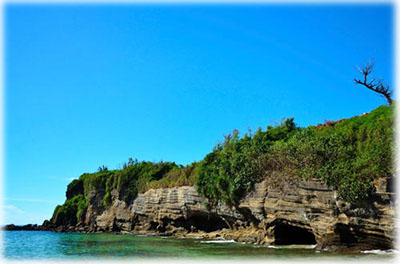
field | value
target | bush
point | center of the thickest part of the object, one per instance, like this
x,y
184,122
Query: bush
x,y
74,188
134,178
71,212
234,166
347,156
95,181
177,176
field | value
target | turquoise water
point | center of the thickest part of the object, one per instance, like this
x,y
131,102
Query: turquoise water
x,y
50,245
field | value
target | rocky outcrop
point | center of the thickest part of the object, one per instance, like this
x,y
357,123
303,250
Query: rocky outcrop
x,y
28,227
309,211
293,213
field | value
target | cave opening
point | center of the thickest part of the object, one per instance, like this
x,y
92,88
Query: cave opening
x,y
345,235
199,221
292,235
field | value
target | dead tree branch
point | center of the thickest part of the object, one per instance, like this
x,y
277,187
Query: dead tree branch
x,y
373,84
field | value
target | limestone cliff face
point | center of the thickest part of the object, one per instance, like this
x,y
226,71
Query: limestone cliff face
x,y
312,211
294,213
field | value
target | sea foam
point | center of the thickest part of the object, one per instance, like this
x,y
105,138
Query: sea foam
x,y
218,241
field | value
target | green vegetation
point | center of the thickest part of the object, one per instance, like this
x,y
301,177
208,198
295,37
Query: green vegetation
x,y
347,155
177,176
135,177
230,171
71,211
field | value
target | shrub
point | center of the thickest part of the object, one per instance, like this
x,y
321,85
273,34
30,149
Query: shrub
x,y
74,188
71,212
177,176
347,155
235,165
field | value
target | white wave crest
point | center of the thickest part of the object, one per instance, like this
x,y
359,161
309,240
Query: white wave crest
x,y
218,241
380,252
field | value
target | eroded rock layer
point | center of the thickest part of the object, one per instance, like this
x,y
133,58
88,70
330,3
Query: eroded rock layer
x,y
293,213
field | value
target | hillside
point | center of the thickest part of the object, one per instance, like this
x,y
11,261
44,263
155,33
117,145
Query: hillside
x,y
342,163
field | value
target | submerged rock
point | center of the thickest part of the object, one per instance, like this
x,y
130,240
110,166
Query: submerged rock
x,y
28,227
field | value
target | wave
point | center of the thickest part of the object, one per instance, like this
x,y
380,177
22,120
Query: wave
x,y
380,252
293,246
218,241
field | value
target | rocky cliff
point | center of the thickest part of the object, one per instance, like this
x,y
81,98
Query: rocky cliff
x,y
304,212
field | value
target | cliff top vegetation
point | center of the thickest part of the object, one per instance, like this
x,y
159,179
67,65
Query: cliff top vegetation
x,y
347,155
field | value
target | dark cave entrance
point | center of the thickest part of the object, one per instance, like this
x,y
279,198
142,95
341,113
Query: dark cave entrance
x,y
345,235
288,235
200,221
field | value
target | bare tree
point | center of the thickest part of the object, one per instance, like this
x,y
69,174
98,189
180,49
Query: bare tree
x,y
373,84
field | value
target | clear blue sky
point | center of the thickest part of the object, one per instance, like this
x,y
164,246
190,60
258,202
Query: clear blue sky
x,y
97,84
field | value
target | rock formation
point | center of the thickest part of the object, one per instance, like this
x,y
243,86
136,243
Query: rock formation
x,y
304,212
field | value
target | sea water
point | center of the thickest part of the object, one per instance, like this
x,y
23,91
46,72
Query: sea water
x,y
37,245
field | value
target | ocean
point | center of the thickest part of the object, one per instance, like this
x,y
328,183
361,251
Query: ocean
x,y
46,245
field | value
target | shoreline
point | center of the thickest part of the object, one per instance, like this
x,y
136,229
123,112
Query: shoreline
x,y
308,213
232,236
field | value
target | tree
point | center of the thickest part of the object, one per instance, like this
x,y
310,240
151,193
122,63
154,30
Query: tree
x,y
373,84
102,168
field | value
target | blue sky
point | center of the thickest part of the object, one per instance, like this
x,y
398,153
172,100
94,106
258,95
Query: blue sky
x,y
94,85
